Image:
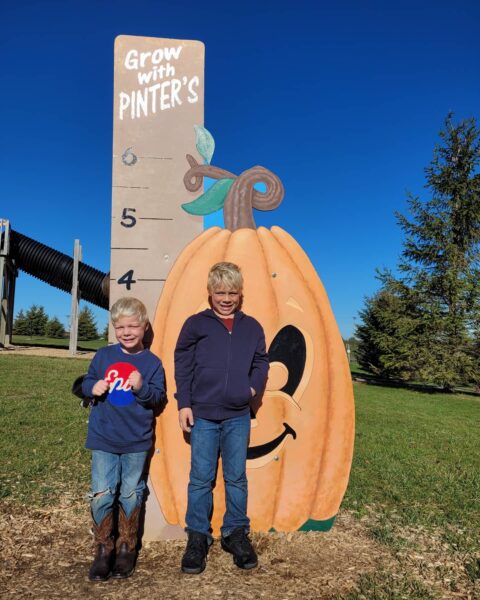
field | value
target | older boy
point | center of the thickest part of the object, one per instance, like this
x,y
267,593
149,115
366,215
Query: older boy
x,y
220,365
127,382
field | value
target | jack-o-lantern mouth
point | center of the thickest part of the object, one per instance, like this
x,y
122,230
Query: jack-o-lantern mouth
x,y
254,452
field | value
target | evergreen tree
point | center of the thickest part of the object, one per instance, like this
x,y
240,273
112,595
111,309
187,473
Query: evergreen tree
x,y
441,254
439,272
36,320
54,328
105,332
388,337
20,324
87,327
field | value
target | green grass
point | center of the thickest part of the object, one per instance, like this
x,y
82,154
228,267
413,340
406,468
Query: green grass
x,y
42,429
416,457
26,340
388,586
417,462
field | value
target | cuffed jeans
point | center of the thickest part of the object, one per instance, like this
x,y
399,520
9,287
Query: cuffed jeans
x,y
209,439
111,471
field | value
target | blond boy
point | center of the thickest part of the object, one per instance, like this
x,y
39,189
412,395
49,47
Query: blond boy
x,y
127,382
220,365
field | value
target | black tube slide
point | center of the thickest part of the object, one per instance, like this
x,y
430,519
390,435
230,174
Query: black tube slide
x,y
56,268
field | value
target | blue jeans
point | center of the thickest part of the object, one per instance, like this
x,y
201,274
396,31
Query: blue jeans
x,y
208,439
109,471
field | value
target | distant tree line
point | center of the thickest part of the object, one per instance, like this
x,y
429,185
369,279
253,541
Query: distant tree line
x,y
36,322
424,322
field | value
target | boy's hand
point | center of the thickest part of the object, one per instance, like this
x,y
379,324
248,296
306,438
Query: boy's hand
x,y
185,418
135,380
100,387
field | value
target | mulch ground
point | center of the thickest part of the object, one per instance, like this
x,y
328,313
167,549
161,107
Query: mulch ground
x,y
46,554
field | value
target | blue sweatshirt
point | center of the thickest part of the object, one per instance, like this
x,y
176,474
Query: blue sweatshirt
x,y
215,369
121,422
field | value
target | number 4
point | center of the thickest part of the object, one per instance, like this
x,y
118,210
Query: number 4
x,y
127,279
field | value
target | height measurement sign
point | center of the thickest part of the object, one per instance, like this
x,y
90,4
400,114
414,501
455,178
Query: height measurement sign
x,y
158,98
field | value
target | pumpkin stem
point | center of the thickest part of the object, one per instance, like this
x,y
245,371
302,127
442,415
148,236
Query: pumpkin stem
x,y
242,196
193,178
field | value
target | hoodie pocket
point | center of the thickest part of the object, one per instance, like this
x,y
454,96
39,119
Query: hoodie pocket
x,y
208,386
238,393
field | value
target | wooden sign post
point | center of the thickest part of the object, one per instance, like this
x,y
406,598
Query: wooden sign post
x,y
8,275
158,98
77,257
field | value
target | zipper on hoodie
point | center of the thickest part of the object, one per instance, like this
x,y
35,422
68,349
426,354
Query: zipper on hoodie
x,y
228,353
228,360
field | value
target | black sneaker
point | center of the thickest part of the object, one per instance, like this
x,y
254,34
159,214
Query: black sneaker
x,y
194,559
238,544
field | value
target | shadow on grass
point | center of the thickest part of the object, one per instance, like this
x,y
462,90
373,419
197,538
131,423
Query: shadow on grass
x,y
427,388
36,344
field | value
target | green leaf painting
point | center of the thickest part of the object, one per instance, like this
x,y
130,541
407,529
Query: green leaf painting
x,y
211,201
204,142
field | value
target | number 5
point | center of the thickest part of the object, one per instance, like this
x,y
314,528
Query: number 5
x,y
128,220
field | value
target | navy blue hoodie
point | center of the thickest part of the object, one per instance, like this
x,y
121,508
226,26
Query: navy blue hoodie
x,y
122,421
215,369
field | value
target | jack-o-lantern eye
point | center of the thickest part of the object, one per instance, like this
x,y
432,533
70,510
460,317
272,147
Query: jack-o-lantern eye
x,y
289,348
287,351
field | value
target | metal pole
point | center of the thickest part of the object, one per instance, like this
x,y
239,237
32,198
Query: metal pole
x,y
77,257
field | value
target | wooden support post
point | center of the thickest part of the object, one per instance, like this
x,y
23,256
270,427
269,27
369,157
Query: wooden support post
x,y
10,303
3,300
77,257
8,274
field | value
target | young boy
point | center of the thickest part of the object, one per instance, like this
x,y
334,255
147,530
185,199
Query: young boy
x,y
127,383
220,365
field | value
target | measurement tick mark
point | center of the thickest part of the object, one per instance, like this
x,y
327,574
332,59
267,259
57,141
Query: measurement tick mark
x,y
131,187
157,157
150,157
155,218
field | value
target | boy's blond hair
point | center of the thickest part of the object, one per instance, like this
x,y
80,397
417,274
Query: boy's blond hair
x,y
129,307
225,274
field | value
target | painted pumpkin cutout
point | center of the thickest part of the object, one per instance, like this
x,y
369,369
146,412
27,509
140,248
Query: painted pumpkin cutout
x,y
301,440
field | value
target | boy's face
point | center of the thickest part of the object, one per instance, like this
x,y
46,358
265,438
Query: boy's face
x,y
129,331
225,301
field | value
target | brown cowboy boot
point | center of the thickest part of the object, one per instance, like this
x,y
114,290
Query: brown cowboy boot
x,y
126,553
102,563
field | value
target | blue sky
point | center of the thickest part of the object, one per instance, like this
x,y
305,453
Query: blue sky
x,y
342,100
